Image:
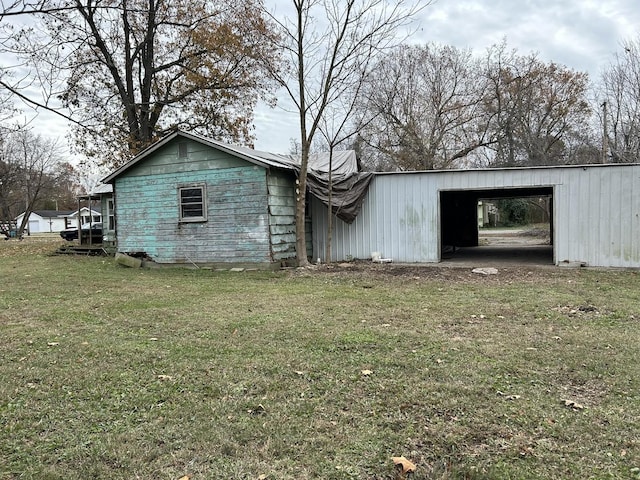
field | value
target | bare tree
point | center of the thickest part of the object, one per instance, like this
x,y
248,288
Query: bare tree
x,y
326,44
338,126
533,109
620,91
23,81
129,71
426,105
27,169
9,178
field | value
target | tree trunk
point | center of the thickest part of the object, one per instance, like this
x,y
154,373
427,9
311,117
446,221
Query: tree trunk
x,y
301,237
301,191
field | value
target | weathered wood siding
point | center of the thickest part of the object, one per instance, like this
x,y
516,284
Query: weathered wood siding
x,y
237,229
282,215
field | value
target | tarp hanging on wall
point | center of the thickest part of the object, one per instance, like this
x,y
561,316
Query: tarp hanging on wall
x,y
348,192
349,186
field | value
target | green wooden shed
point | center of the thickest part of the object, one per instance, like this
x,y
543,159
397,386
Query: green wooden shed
x,y
191,200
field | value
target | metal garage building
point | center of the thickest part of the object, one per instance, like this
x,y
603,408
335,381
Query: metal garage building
x,y
411,216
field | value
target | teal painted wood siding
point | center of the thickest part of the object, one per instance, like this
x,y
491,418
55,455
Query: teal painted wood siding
x,y
282,215
240,211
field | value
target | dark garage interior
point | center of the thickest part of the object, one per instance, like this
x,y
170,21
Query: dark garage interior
x,y
460,237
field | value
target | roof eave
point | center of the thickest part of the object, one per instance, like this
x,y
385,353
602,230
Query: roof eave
x,y
212,143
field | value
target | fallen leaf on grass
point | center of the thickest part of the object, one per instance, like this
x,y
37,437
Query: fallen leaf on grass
x,y
508,397
573,405
406,465
366,373
259,410
164,377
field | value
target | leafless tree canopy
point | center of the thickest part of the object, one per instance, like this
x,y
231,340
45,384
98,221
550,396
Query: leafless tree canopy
x,y
31,170
621,103
425,107
438,107
329,46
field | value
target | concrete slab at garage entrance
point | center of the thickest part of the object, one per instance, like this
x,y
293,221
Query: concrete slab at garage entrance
x,y
500,255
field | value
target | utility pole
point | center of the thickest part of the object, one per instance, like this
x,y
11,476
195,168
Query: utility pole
x,y
605,133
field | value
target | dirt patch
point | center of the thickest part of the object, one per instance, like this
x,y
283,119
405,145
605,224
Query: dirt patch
x,y
364,269
531,236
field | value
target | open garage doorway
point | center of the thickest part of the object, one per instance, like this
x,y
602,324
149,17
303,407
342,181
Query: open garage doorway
x,y
507,225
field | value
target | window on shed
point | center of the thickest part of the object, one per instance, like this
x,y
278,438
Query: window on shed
x,y
193,204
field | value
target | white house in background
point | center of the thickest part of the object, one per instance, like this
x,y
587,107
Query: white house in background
x,y
48,221
86,216
43,221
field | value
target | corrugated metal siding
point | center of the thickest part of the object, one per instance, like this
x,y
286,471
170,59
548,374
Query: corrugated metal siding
x,y
596,213
398,219
597,216
237,226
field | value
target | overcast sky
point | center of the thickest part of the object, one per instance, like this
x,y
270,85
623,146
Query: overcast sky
x,y
580,34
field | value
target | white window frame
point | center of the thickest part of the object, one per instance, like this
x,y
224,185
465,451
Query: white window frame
x,y
111,219
181,203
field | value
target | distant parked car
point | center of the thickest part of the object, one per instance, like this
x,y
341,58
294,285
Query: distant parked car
x,y
95,230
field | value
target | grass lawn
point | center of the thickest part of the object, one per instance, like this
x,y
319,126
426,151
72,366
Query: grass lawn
x,y
116,373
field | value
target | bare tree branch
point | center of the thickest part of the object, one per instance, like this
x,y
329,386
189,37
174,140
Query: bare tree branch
x,y
327,42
